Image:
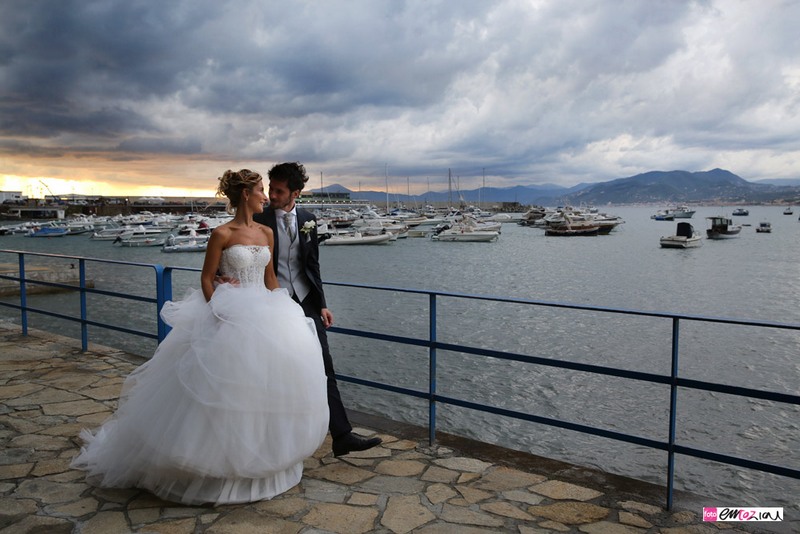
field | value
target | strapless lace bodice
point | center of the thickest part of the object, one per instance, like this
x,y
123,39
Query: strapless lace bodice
x,y
246,263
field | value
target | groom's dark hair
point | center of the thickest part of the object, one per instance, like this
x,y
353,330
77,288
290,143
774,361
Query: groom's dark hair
x,y
293,173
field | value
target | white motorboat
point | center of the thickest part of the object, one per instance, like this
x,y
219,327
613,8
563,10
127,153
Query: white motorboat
x,y
185,247
685,237
425,228
110,234
682,212
181,243
485,226
358,238
764,227
127,232
466,233
371,226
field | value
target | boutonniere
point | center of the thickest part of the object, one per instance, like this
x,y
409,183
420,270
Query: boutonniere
x,y
308,226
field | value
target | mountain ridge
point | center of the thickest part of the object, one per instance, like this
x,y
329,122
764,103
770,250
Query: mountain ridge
x,y
652,187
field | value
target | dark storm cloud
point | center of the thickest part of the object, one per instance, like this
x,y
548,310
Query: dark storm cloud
x,y
526,90
161,146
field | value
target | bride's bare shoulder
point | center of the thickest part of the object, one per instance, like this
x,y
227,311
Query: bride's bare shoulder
x,y
266,229
223,230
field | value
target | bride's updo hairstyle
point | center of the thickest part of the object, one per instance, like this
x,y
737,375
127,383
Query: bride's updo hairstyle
x,y
233,183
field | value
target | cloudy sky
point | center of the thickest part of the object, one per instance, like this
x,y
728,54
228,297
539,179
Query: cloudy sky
x,y
160,97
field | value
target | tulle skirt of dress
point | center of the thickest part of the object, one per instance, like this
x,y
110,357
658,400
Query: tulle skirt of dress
x,y
232,402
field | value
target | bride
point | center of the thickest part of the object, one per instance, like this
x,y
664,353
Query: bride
x,y
234,399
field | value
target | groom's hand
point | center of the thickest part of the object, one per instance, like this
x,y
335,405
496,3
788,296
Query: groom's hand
x,y
327,317
219,280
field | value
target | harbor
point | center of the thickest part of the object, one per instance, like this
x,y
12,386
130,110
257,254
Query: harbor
x,y
625,268
50,389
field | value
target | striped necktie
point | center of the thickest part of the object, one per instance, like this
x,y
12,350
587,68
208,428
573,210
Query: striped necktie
x,y
289,225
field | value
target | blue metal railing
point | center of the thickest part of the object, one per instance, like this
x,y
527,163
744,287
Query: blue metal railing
x,y
163,279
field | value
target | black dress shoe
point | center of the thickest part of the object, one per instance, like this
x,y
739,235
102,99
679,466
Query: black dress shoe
x,y
351,443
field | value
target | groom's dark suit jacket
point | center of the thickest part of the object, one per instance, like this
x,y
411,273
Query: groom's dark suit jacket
x,y
309,250
312,305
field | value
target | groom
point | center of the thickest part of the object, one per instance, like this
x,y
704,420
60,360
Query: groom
x,y
296,262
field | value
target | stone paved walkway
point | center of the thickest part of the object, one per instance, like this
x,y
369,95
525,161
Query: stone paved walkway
x,y
49,390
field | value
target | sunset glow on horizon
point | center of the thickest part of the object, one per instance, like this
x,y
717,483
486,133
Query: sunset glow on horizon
x,y
45,187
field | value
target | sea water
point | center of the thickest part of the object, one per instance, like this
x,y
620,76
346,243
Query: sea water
x,y
754,277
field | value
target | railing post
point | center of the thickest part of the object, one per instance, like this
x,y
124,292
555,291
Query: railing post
x,y
23,298
432,371
673,408
84,313
163,294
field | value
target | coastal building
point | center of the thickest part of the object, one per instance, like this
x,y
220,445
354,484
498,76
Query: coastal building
x,y
36,212
12,197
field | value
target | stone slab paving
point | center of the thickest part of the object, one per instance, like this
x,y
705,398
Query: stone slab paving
x,y
49,389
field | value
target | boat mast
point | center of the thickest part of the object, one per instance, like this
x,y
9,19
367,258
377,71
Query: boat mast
x,y
428,192
480,193
386,174
449,189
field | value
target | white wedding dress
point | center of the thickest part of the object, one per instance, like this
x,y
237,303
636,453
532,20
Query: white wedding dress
x,y
232,402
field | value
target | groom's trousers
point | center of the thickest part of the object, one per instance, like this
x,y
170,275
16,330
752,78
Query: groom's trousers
x,y
339,424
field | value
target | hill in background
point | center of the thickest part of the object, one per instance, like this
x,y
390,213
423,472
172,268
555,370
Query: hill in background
x,y
716,186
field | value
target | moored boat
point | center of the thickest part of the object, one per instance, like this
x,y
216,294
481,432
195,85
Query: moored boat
x,y
569,231
78,228
682,212
685,237
48,231
127,232
147,241
465,233
740,212
679,212
571,224
425,228
764,227
110,234
185,247
190,243
468,236
663,216
722,228
358,239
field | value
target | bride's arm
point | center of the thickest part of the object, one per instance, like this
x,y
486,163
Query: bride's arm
x,y
211,262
